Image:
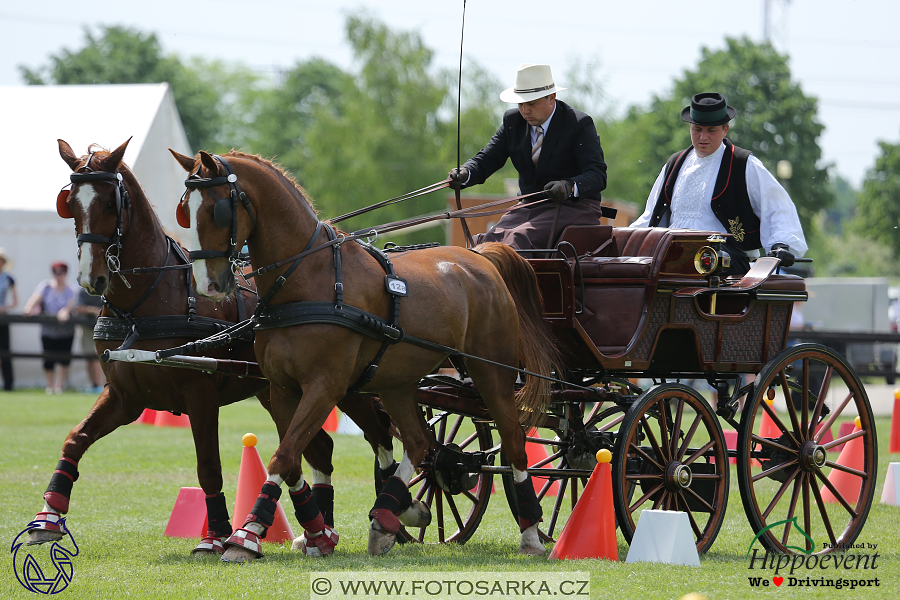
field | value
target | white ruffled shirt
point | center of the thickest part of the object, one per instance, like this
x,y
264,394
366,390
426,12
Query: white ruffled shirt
x,y
691,198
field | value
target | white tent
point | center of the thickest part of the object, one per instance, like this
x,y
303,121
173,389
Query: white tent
x,y
31,232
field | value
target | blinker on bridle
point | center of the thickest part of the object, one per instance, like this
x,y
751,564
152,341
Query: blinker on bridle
x,y
224,210
123,202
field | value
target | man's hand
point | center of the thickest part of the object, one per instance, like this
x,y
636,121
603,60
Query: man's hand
x,y
458,177
782,251
559,191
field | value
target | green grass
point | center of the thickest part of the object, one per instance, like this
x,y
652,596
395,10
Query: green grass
x,y
129,481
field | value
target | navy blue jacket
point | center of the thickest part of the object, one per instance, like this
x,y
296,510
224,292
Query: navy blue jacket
x,y
571,150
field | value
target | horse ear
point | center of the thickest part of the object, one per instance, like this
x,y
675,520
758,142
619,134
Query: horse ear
x,y
181,216
186,162
114,159
65,151
209,162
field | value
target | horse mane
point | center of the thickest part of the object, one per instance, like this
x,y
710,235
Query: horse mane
x,y
281,172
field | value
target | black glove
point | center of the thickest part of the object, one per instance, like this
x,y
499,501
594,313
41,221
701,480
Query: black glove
x,y
558,191
458,177
782,252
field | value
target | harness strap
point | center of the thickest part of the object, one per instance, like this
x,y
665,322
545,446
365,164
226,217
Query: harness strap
x,y
281,280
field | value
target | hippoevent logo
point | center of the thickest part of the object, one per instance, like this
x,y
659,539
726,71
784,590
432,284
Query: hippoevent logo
x,y
839,570
42,569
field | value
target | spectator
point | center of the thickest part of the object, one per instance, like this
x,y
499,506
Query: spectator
x,y
9,298
85,304
51,296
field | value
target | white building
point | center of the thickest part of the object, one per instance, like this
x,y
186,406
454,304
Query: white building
x,y
31,232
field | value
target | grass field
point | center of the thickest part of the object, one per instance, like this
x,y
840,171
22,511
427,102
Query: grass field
x,y
129,481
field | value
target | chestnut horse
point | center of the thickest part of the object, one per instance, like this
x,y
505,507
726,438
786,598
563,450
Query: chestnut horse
x,y
483,303
118,230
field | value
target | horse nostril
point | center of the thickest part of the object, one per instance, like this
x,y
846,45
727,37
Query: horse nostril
x,y
100,283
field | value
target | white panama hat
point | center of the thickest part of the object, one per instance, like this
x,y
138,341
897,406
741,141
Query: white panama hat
x,y
532,82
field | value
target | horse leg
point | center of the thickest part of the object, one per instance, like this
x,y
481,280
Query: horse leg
x,y
285,467
376,427
108,413
496,387
203,410
395,498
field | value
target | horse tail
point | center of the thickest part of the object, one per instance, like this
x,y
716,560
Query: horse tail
x,y
537,349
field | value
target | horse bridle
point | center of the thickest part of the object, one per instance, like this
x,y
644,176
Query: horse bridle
x,y
123,203
224,210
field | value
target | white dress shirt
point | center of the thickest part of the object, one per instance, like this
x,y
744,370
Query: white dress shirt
x,y
692,196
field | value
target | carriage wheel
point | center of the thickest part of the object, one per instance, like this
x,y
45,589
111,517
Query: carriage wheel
x,y
798,495
671,454
454,517
559,493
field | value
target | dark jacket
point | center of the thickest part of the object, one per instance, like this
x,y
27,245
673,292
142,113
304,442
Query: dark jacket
x,y
571,150
730,201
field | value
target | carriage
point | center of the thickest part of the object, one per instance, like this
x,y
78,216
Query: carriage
x,y
623,305
630,304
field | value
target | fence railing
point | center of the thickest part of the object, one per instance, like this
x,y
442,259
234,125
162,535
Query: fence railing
x,y
76,319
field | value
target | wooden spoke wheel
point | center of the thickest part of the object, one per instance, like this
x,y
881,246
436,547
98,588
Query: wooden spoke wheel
x,y
454,517
671,455
799,494
560,466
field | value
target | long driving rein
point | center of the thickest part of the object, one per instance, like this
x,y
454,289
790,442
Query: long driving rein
x,y
289,314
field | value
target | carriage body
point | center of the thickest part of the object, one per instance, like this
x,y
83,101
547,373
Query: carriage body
x,y
643,308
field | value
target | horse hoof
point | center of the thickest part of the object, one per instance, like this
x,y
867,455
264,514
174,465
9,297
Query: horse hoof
x,y
239,555
41,536
417,515
530,544
243,546
209,546
380,539
320,545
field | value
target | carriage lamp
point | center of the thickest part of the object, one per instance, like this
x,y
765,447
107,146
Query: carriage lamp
x,y
706,260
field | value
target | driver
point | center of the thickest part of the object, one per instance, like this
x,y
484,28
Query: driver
x,y
555,149
716,186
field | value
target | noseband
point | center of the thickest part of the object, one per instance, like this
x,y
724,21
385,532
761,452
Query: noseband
x,y
225,209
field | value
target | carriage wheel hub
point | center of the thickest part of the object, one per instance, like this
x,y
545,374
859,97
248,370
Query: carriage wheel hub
x,y
678,476
813,455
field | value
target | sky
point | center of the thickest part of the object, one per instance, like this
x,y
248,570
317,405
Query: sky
x,y
845,53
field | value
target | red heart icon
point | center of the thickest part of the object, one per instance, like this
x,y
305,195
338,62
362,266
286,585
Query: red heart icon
x,y
777,580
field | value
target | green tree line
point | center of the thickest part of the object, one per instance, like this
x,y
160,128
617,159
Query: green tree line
x,y
352,138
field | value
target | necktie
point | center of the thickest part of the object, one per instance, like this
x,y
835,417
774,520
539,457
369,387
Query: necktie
x,y
536,149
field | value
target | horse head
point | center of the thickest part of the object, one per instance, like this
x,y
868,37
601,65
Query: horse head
x,y
98,202
211,209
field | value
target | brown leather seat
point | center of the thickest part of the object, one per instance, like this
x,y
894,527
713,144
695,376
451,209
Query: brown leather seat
x,y
587,238
638,241
618,267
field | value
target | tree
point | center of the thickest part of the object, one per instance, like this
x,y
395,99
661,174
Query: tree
x,y
879,201
123,55
775,120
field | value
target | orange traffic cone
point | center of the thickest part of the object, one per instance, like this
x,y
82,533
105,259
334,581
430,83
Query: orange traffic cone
x,y
251,478
148,417
331,423
845,429
767,427
537,453
731,437
894,444
188,518
166,419
591,529
853,457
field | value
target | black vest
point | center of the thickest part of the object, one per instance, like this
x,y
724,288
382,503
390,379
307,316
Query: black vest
x,y
730,201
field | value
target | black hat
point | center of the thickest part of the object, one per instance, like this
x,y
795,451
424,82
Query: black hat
x,y
708,109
